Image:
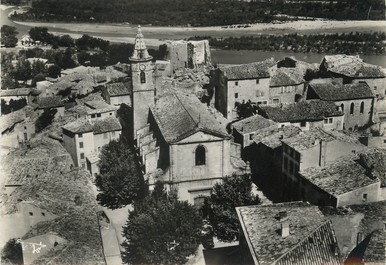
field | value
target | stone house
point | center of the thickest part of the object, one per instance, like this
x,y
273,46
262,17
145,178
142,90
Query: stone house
x,y
16,94
46,103
244,130
355,100
84,138
99,109
305,115
117,93
286,233
313,148
239,84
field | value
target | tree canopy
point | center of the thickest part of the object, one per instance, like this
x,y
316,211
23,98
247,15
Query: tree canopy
x,y
45,119
8,36
12,252
161,230
233,192
120,181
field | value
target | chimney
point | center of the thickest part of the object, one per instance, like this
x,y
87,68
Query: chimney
x,y
284,224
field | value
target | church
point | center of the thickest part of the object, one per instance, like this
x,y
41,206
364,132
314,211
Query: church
x,y
180,140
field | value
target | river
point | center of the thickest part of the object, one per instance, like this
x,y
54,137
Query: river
x,y
157,35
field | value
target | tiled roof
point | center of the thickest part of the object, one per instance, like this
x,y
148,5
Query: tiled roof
x,y
333,91
308,139
97,126
309,110
286,77
15,92
119,89
248,71
252,124
339,177
374,159
180,115
99,106
273,138
9,120
310,240
352,66
49,102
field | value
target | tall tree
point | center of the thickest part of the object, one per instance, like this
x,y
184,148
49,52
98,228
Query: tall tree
x,y
233,192
12,252
120,180
161,230
8,36
23,70
45,119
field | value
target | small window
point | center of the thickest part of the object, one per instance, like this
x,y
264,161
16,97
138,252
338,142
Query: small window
x,y
111,114
43,214
384,141
142,77
362,109
251,136
92,115
31,213
81,155
257,81
236,83
264,102
352,108
25,128
275,101
236,95
364,197
325,121
98,115
330,120
342,107
200,154
80,135
80,144
303,124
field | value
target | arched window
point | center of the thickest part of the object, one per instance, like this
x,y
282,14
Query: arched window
x,y
200,155
352,108
342,107
362,107
142,77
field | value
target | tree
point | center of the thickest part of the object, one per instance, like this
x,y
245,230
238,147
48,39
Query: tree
x,y
8,36
245,110
233,192
40,34
45,119
67,61
161,230
12,252
54,71
120,181
23,70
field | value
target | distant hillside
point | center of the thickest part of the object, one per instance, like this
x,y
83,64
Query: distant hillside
x,y
200,12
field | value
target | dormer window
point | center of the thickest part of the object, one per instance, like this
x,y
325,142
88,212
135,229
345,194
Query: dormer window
x,y
142,76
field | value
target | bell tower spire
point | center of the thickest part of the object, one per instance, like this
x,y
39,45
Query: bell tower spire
x,y
140,51
143,89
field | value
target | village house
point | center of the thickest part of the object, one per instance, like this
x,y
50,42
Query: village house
x,y
244,130
16,94
339,183
47,103
286,233
240,84
85,137
117,93
188,54
9,125
355,100
265,157
306,115
99,109
313,148
360,232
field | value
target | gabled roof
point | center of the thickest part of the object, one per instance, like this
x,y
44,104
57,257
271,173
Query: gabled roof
x,y
309,110
9,120
248,71
374,160
273,138
252,124
15,92
49,102
351,66
286,77
97,126
180,115
98,106
333,91
339,177
309,139
304,244
119,89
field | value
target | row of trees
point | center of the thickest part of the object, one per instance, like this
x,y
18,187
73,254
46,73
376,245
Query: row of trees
x,y
161,229
198,12
8,36
348,43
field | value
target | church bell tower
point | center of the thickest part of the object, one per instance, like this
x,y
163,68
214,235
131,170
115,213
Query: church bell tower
x,y
143,92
